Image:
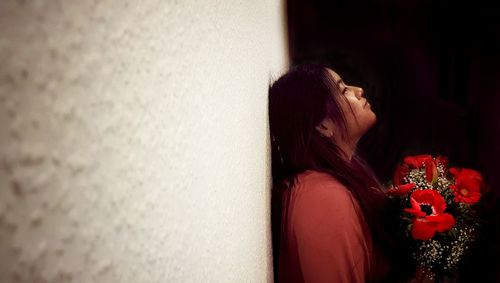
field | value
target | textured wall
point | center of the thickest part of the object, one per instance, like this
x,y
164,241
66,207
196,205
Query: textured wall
x,y
134,140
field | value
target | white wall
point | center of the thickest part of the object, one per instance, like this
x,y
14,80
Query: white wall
x,y
134,140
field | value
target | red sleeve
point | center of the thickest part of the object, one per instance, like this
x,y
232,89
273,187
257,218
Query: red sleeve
x,y
330,233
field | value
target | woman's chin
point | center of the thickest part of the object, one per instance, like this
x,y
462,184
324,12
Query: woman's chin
x,y
372,120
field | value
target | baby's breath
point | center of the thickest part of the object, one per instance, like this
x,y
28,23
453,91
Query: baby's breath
x,y
458,247
428,253
418,177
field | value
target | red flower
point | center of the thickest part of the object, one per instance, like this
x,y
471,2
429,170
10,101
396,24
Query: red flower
x,y
468,185
417,161
401,190
401,171
428,206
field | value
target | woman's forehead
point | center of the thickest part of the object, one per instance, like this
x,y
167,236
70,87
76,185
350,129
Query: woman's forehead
x,y
335,76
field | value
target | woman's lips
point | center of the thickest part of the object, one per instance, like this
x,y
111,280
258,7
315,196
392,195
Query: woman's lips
x,y
366,104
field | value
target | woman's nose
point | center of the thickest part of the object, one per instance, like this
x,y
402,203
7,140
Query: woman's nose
x,y
359,92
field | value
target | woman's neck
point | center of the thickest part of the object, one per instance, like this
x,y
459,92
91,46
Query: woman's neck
x,y
348,149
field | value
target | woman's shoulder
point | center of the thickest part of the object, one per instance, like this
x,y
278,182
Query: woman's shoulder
x,y
317,184
313,179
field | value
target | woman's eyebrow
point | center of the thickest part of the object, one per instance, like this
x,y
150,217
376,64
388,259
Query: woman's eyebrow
x,y
340,81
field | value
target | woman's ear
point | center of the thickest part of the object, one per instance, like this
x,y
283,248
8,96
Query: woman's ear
x,y
326,128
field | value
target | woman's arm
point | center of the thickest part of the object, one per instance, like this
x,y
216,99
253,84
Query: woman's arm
x,y
331,236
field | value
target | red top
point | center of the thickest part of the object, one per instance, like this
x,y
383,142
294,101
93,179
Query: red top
x,y
326,238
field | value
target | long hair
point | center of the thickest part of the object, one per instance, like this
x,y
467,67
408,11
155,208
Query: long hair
x,y
298,101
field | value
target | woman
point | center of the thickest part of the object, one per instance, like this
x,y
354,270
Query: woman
x,y
331,220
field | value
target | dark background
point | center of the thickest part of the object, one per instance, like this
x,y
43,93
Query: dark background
x,y
431,70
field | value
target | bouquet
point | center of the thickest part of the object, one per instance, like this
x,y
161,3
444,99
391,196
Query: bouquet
x,y
437,211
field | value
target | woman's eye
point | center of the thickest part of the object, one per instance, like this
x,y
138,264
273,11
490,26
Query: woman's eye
x,y
344,90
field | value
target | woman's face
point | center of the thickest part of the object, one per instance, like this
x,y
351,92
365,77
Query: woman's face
x,y
361,117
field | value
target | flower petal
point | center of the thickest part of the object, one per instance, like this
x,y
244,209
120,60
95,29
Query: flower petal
x,y
416,161
415,208
401,171
431,172
438,203
454,171
422,230
401,190
443,222
470,198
